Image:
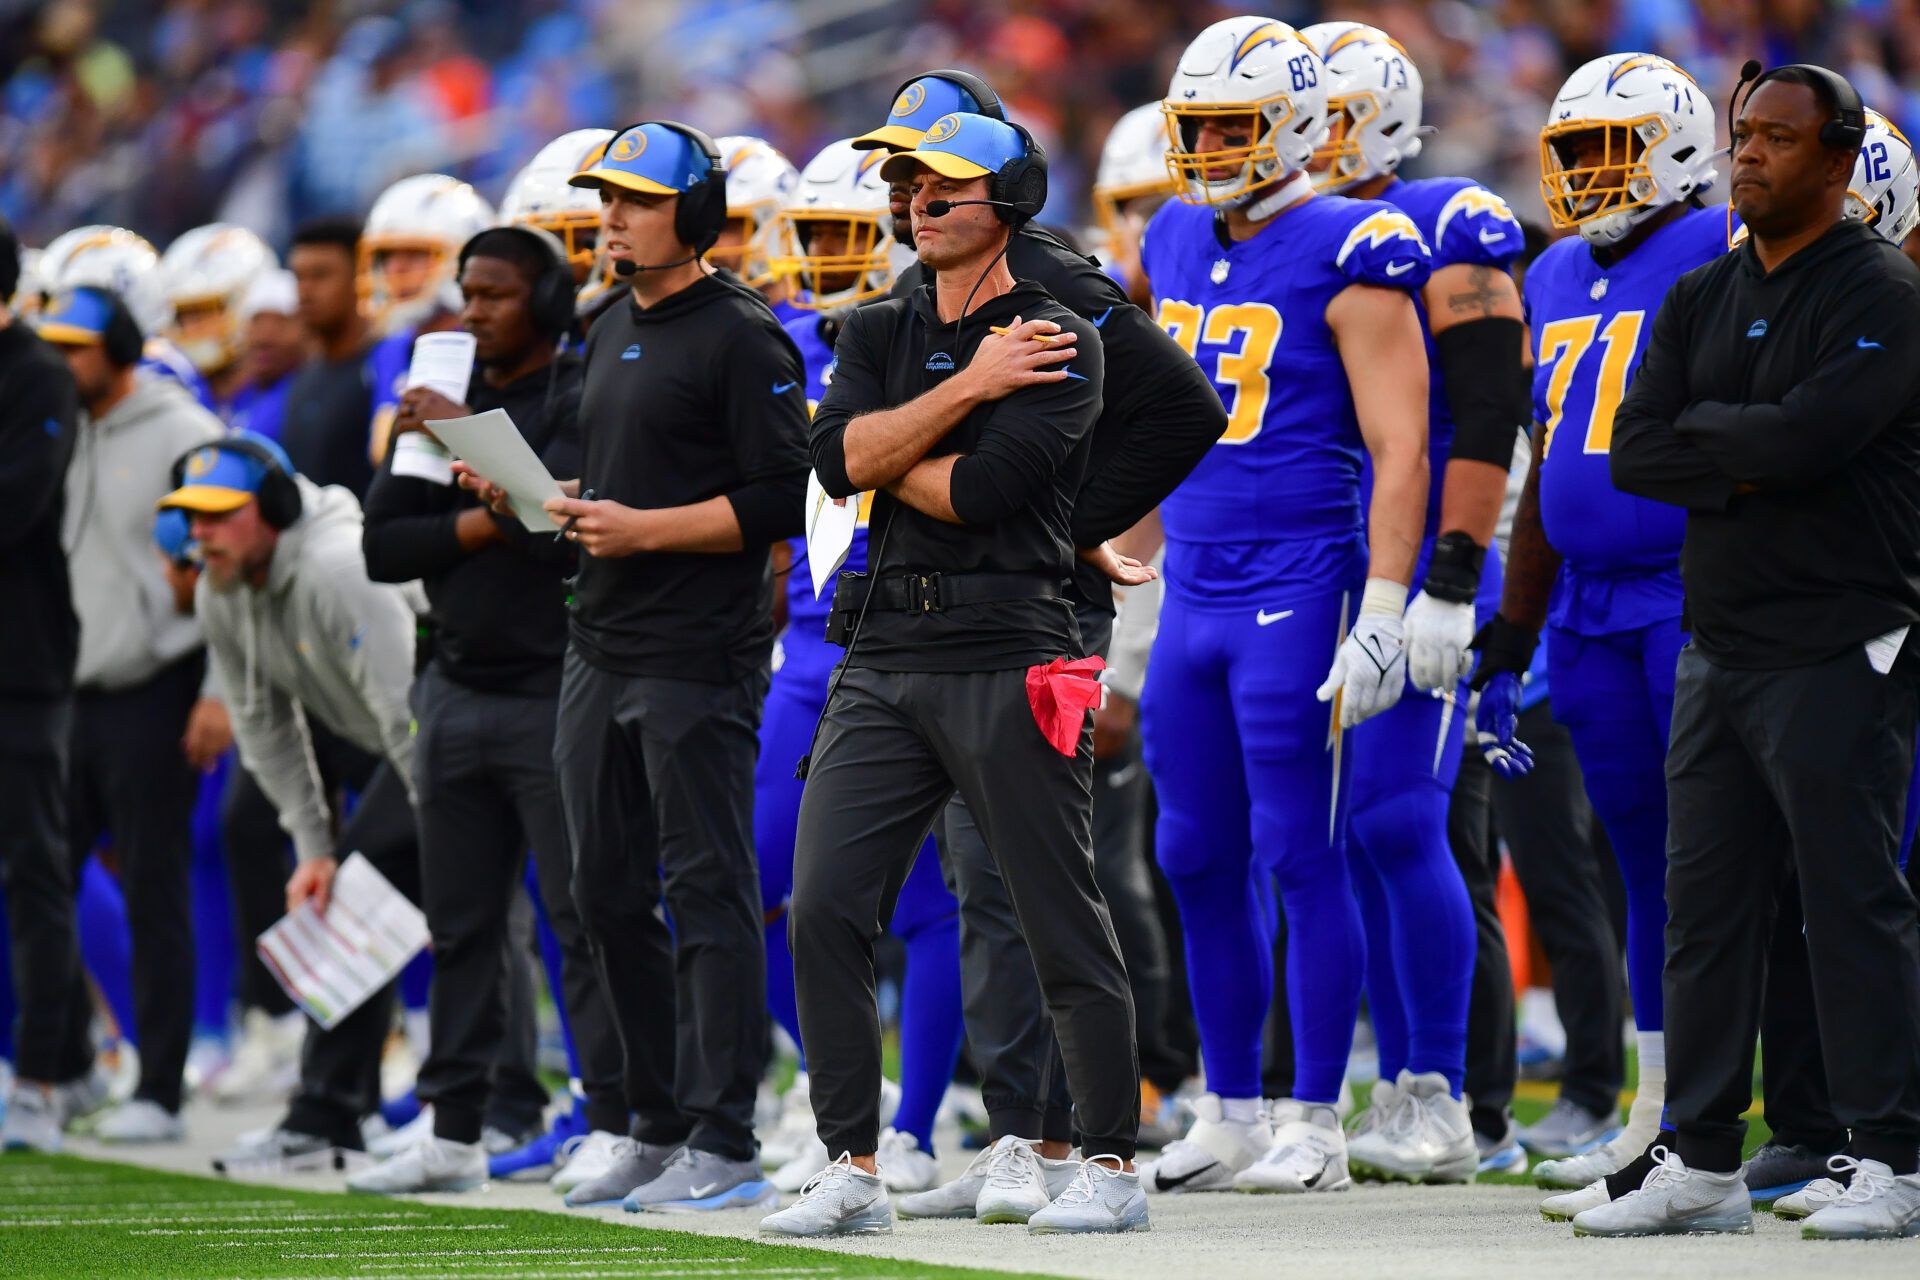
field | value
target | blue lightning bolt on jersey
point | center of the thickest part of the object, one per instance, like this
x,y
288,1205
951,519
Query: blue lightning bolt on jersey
x,y
1277,501
805,638
1590,324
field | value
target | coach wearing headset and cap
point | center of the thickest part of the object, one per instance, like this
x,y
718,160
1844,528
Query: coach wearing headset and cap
x,y
1779,404
693,434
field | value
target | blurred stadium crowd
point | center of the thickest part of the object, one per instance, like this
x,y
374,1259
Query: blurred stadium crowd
x,y
163,116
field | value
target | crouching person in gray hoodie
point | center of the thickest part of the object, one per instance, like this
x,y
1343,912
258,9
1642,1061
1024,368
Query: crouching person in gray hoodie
x,y
143,717
296,631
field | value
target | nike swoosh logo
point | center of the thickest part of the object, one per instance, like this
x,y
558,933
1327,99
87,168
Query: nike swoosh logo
x,y
1266,619
781,388
701,1193
1101,318
1488,235
1864,345
1165,1183
1399,269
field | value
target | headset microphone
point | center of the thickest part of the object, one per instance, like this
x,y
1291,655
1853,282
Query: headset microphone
x,y
941,208
1749,72
624,267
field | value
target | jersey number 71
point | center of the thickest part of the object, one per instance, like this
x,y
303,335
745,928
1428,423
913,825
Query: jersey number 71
x,y
1257,325
1568,340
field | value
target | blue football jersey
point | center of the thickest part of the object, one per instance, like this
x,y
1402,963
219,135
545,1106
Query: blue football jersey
x,y
387,365
806,616
159,358
1277,501
1589,325
259,410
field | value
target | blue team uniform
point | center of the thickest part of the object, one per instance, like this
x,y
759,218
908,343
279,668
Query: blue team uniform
x,y
1266,551
260,410
926,917
161,359
1419,919
1613,622
386,365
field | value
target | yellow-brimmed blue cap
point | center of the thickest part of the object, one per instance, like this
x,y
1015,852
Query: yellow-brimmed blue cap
x,y
917,106
961,146
77,318
651,158
215,479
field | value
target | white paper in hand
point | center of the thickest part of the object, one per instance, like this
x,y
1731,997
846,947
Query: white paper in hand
x,y
330,964
490,444
422,457
830,525
443,362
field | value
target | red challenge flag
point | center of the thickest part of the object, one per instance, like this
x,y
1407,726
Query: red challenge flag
x,y
1061,694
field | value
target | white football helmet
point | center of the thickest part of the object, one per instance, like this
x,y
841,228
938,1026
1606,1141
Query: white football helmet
x,y
27,294
1239,68
540,195
1884,191
429,214
114,259
1656,129
1133,164
840,192
760,183
206,274
1373,104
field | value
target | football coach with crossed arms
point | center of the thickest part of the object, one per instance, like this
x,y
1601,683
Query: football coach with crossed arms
x,y
969,405
693,439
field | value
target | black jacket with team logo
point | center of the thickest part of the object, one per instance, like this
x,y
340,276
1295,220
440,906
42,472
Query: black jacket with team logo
x,y
1782,410
1013,490
696,397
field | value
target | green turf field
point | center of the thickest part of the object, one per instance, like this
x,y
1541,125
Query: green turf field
x,y
62,1216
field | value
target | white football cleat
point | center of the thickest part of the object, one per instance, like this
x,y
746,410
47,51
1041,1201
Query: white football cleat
x,y
1427,1138
1214,1150
1309,1152
904,1167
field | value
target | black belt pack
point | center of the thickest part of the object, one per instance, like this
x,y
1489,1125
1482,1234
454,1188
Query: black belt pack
x,y
927,593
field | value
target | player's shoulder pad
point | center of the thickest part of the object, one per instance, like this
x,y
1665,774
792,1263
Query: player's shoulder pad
x,y
1382,246
1475,226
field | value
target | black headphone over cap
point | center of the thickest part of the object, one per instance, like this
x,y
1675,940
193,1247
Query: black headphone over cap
x,y
1848,128
1020,186
122,341
278,494
981,92
550,301
701,215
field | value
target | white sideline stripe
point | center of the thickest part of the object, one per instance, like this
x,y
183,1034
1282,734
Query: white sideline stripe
x,y
495,1253
275,1231
614,1275
47,1206
577,1258
208,1219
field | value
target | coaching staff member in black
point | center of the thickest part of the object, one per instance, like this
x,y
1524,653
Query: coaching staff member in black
x,y
693,428
1779,403
485,707
978,443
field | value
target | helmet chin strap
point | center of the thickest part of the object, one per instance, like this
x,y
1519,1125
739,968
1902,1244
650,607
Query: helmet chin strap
x,y
1299,186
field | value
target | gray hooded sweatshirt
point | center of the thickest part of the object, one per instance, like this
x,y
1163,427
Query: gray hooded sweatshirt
x,y
122,465
318,639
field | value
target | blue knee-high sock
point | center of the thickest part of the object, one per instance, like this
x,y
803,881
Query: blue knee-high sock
x,y
213,946
1384,1005
551,961
931,1026
781,1001
1430,929
105,945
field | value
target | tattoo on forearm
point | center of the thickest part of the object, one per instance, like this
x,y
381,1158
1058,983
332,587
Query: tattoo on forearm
x,y
1478,301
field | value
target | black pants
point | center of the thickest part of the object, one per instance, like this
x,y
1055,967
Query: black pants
x,y
656,776
1771,773
1799,1110
1562,860
35,735
486,789
259,859
129,780
1491,1065
893,749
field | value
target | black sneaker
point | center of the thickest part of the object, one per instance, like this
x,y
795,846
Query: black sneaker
x,y
1777,1170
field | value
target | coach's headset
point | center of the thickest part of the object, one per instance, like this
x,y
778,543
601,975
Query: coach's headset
x,y
278,493
701,214
1848,128
121,341
550,301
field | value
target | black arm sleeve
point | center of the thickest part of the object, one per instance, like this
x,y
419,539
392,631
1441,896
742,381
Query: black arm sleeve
x,y
763,405
1486,385
409,530
37,424
1648,457
1161,415
1028,436
858,387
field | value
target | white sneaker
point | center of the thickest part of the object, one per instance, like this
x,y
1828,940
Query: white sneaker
x,y
277,1150
1674,1200
1384,1100
1876,1206
33,1119
140,1120
266,1058
433,1165
840,1200
1101,1198
207,1061
1213,1151
1643,1125
587,1156
904,1166
1019,1182
1808,1200
798,1171
1427,1138
955,1199
1309,1152
797,1128
81,1098
1565,1206
394,1141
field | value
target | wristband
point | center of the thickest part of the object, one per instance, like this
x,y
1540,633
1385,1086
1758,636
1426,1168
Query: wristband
x,y
1453,574
1384,596
1503,646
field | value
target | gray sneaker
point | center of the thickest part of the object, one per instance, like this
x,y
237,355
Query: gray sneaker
x,y
1777,1170
1567,1130
1674,1200
1101,1198
633,1165
699,1181
264,1152
840,1200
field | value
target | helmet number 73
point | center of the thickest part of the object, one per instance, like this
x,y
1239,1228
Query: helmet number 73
x,y
1256,327
1563,343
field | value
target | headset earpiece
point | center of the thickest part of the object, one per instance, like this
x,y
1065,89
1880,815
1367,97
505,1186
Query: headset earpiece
x,y
702,213
122,342
1021,183
550,301
1848,128
278,494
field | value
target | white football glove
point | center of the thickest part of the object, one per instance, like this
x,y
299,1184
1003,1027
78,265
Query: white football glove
x,y
1369,670
1438,633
